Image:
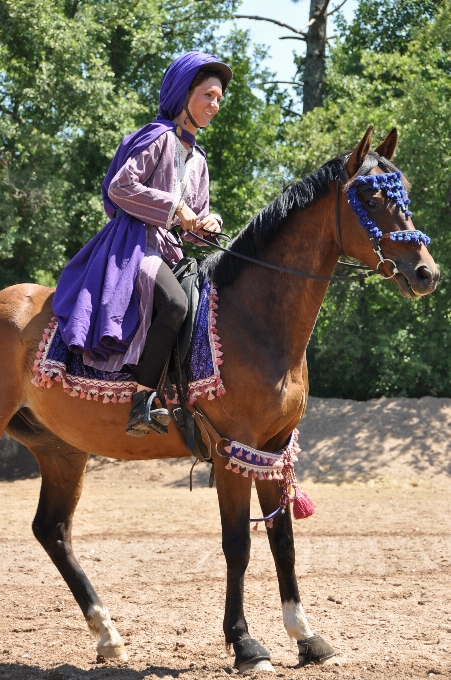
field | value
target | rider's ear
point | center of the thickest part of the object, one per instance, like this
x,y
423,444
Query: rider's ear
x,y
387,148
358,155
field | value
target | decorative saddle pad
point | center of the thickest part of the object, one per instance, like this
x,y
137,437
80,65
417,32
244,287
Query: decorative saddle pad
x,y
54,362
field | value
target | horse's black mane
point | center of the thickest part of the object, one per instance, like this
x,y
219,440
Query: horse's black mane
x,y
223,269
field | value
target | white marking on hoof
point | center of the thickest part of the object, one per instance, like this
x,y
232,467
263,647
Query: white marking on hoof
x,y
110,644
295,621
261,665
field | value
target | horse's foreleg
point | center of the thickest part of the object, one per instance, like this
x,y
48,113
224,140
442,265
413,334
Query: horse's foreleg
x,y
62,469
234,493
312,648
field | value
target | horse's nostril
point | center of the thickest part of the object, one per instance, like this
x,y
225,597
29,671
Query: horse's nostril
x,y
424,273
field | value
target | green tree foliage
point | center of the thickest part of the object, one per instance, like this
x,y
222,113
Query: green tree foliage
x,y
75,77
369,341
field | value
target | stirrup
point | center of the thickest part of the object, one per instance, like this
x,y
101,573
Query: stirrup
x,y
143,418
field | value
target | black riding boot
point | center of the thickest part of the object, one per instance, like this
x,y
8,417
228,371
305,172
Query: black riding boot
x,y
143,418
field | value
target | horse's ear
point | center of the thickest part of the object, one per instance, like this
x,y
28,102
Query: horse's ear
x,y
387,148
358,155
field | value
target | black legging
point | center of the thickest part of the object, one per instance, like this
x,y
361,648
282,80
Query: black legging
x,y
170,308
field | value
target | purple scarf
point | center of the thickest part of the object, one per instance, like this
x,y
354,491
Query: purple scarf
x,y
95,301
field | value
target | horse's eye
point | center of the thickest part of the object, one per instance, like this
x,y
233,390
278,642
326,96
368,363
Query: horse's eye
x,y
371,203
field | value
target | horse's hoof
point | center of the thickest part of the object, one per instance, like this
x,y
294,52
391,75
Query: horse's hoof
x,y
262,665
251,655
112,652
316,650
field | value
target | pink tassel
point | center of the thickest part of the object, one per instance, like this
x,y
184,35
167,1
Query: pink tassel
x,y
210,396
219,354
246,473
260,475
122,400
239,453
88,396
74,393
41,346
228,449
106,399
255,528
220,391
269,523
49,383
303,505
214,315
57,377
229,466
82,395
254,474
96,397
46,331
219,362
249,456
45,337
236,469
39,355
114,399
35,381
52,324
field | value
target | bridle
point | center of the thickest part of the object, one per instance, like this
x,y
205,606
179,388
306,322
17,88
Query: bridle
x,y
339,182
374,244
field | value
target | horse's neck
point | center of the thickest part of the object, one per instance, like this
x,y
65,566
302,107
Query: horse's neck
x,y
278,310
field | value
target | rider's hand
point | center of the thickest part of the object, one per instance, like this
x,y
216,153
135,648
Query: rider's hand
x,y
188,219
209,223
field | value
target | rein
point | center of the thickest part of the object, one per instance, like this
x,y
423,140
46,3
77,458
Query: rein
x,y
374,233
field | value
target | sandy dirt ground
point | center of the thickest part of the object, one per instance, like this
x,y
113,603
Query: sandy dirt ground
x,y
373,563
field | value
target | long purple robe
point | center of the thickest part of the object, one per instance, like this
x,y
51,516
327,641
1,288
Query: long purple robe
x,y
96,302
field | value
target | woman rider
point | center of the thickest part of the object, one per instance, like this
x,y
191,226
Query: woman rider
x,y
118,302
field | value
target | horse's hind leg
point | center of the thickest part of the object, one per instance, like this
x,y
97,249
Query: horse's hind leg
x,y
62,469
312,648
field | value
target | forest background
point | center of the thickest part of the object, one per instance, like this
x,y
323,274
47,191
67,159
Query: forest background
x,y
77,75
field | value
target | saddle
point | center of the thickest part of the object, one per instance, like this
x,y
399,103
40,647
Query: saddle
x,y
174,374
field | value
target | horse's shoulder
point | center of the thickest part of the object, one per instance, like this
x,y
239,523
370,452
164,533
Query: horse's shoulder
x,y
23,301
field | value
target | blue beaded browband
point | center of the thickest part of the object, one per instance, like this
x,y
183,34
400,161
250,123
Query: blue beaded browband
x,y
392,186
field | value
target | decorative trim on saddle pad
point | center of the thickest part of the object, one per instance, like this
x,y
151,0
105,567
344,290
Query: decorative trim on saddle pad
x,y
204,358
54,362
278,465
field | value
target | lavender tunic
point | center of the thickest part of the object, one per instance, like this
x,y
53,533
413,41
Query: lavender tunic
x,y
149,186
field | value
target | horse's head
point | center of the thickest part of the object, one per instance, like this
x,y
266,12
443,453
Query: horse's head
x,y
377,201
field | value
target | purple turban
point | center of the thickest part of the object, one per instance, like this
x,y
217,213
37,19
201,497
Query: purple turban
x,y
95,301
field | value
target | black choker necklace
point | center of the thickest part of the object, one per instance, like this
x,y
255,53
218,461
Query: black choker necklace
x,y
184,135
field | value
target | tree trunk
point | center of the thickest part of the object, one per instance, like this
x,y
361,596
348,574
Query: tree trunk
x,y
315,58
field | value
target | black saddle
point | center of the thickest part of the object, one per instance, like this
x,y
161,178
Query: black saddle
x,y
186,273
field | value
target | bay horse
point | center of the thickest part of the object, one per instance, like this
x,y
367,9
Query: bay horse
x,y
265,322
